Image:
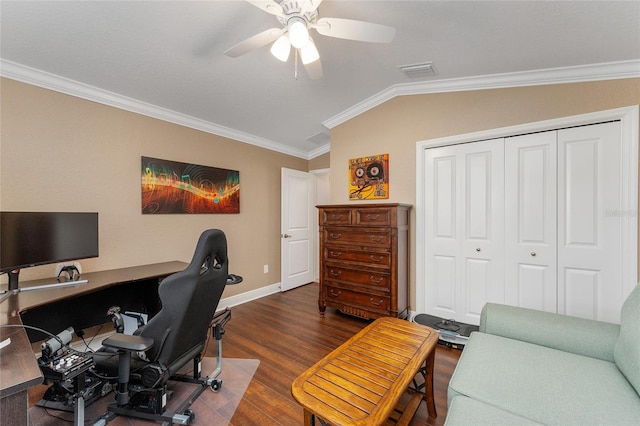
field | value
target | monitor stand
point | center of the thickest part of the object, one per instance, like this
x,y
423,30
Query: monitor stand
x,y
13,279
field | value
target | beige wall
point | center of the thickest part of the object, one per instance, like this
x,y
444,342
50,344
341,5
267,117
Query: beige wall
x,y
320,162
61,153
395,126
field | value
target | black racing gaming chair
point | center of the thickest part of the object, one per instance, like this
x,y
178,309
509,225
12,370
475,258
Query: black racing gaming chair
x,y
174,336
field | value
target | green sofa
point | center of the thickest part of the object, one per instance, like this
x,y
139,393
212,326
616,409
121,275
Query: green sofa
x,y
527,367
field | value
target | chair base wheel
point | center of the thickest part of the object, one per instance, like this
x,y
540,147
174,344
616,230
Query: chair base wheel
x,y
189,413
216,385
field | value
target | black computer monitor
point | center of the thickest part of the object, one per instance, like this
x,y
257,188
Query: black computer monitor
x,y
38,238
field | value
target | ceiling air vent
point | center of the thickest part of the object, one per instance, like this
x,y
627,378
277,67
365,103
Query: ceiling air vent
x,y
319,138
425,69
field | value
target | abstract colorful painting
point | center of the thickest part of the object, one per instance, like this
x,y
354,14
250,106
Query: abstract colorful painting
x,y
369,177
172,187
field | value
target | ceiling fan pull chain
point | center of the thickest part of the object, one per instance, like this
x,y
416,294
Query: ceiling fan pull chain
x,y
295,66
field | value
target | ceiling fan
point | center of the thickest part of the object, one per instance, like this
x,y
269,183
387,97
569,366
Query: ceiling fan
x,y
297,17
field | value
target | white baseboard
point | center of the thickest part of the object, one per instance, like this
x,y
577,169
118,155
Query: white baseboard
x,y
248,296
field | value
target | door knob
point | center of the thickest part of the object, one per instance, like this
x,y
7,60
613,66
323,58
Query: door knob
x,y
286,236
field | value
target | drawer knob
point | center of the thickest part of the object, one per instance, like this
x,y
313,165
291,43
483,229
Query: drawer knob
x,y
336,216
334,293
375,258
375,279
335,236
335,253
334,273
373,302
373,217
376,238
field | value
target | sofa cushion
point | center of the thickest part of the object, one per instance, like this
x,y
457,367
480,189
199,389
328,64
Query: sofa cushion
x,y
463,411
543,384
627,350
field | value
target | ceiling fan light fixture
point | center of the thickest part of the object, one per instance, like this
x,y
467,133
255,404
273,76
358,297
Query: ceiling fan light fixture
x,y
298,33
309,53
281,48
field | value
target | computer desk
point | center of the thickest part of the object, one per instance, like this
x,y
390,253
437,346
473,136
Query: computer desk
x,y
54,309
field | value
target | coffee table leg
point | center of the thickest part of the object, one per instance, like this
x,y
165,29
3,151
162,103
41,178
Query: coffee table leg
x,y
428,384
309,418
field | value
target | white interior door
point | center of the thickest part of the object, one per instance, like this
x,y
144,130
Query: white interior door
x,y
530,221
298,233
590,281
464,228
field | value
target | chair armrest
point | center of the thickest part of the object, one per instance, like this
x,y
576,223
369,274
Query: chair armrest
x,y
234,279
581,336
127,342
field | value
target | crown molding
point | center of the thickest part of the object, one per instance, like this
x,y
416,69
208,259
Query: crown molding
x,y
593,72
575,74
35,77
319,151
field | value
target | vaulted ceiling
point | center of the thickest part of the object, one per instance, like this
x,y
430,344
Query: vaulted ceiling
x,y
166,58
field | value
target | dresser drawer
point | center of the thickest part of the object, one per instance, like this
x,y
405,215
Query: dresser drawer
x,y
381,238
335,217
374,217
342,254
368,278
364,300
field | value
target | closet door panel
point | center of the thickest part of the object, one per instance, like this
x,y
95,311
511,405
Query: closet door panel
x,y
530,221
581,288
581,174
442,249
534,289
589,238
444,197
444,278
478,285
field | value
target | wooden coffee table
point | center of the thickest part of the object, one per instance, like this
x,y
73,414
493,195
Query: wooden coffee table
x,y
362,381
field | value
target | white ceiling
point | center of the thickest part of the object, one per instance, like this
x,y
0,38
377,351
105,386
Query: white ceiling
x,y
166,58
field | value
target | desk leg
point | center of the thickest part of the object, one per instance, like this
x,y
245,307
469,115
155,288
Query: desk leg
x,y
428,384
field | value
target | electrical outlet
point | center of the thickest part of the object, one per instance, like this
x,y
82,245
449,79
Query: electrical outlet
x,y
266,268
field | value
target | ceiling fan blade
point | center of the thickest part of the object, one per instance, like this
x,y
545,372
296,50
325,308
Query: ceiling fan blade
x,y
354,30
255,42
268,6
314,70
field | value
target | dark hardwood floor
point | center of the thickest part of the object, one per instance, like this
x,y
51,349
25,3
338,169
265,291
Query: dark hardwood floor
x,y
288,335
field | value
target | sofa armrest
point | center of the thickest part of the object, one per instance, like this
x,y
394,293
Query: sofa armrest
x,y
591,338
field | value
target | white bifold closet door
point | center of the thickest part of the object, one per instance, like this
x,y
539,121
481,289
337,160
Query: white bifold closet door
x,y
465,230
523,221
530,221
589,228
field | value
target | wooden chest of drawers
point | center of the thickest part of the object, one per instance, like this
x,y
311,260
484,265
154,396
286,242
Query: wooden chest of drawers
x,y
363,259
